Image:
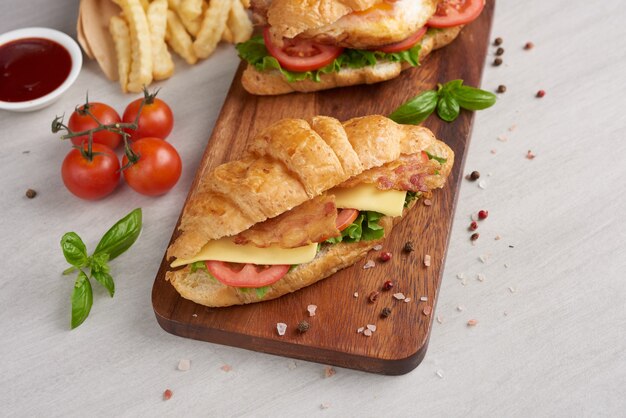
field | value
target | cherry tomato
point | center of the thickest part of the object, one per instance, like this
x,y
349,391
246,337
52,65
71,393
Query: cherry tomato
x,y
156,119
408,43
246,275
456,12
93,179
301,55
156,171
345,217
80,121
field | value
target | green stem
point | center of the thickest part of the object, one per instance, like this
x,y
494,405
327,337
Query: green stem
x,y
69,270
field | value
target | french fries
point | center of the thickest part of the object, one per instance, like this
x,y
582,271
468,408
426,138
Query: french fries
x,y
162,64
121,38
145,29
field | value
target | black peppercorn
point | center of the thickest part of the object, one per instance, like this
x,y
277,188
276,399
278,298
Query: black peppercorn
x,y
385,312
408,247
474,236
303,326
497,61
475,175
500,51
497,41
30,193
501,88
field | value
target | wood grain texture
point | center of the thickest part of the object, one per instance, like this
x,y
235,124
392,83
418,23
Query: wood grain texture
x,y
400,341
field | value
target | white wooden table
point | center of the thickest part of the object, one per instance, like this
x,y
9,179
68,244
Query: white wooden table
x,y
551,312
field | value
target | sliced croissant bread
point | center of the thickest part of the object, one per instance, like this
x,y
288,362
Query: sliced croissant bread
x,y
290,165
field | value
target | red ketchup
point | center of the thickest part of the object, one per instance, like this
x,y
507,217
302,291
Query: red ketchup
x,y
31,68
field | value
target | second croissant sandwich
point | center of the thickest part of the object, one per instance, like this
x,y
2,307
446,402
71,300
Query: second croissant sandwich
x,y
307,199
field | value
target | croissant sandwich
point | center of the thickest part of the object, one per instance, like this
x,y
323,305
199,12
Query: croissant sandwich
x,y
311,45
308,198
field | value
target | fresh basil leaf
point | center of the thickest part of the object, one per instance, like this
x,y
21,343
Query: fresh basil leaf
x,y
448,108
121,235
105,279
82,300
450,86
416,110
441,160
74,249
261,291
99,263
471,98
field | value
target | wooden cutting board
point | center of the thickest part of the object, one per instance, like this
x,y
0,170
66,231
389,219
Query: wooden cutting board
x,y
399,343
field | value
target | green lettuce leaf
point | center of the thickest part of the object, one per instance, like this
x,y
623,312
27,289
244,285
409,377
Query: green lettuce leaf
x,y
364,228
255,53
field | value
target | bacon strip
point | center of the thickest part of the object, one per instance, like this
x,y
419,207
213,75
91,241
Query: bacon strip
x,y
408,172
312,221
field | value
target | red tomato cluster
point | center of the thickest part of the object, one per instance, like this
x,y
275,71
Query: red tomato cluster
x,y
150,166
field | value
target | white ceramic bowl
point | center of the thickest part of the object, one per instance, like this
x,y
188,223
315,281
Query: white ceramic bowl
x,y
58,37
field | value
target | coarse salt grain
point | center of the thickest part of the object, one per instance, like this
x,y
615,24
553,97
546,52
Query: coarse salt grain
x,y
369,264
399,296
460,308
474,217
480,277
424,298
512,289
281,327
377,247
502,138
312,309
356,294
184,365
427,310
367,333
360,330
460,276
483,258
439,319
195,315
407,300
428,202
506,265
371,327
512,127
427,260
482,184
464,282
292,365
324,406
440,374
472,322
329,371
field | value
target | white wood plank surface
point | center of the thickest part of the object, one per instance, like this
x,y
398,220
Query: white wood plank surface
x,y
550,338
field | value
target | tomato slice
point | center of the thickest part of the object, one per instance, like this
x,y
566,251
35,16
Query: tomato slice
x,y
408,43
301,55
246,275
345,217
456,12
425,158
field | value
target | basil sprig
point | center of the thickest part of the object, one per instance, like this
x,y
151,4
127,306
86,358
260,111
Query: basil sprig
x,y
448,100
114,242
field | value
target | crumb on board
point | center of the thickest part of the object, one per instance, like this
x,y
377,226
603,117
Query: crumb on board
x,y
184,365
497,238
281,328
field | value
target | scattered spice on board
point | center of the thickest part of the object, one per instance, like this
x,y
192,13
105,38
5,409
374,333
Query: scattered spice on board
x,y
506,265
329,371
483,214
281,328
460,276
369,264
303,326
408,247
399,296
167,395
427,260
494,151
512,127
385,312
313,308
226,368
385,256
472,322
427,310
483,258
184,365
530,155
497,238
30,193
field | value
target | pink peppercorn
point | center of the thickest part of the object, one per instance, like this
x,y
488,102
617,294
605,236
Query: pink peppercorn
x,y
385,256
482,214
473,226
541,93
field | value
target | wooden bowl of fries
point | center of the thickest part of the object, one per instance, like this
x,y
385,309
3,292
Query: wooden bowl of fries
x,y
131,39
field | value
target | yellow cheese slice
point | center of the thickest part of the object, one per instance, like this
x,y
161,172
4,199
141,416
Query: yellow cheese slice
x,y
369,197
225,249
